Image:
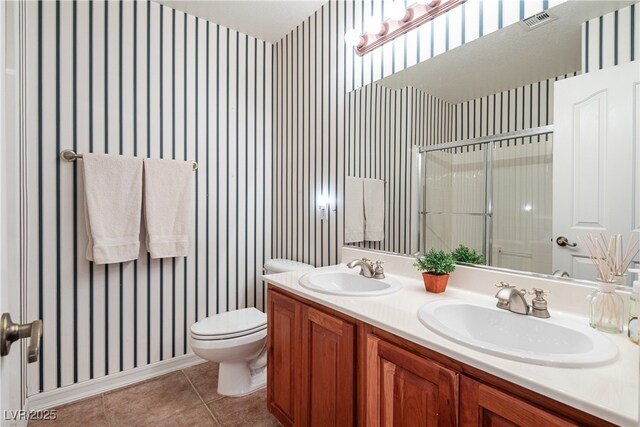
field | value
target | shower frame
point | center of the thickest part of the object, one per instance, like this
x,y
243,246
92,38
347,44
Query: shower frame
x,y
490,141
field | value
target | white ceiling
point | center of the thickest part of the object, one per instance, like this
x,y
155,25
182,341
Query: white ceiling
x,y
264,19
508,58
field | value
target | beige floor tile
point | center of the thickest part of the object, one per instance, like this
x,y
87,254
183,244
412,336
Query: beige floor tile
x,y
244,411
87,412
151,401
197,416
205,379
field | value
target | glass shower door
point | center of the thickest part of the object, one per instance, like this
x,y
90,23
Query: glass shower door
x,y
522,203
453,204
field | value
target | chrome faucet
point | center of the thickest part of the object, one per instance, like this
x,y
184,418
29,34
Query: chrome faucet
x,y
509,298
512,299
367,268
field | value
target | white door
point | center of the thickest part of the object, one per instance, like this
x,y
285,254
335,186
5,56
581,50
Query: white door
x,y
11,366
596,116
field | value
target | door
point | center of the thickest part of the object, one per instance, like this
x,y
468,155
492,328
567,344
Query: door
x,y
283,346
328,370
485,406
11,391
595,117
404,389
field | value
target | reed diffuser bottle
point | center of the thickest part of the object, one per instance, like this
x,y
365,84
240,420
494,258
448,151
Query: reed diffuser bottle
x,y
611,262
607,309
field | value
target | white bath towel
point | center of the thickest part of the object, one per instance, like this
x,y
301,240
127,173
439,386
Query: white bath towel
x,y
354,210
113,203
374,210
167,206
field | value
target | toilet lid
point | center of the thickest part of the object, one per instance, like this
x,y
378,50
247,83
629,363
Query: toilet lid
x,y
230,325
284,266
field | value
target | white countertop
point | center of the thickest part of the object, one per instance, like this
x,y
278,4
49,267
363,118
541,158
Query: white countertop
x,y
610,392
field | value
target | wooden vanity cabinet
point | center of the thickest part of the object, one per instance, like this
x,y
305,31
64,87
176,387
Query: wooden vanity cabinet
x,y
284,317
311,364
405,389
486,406
327,369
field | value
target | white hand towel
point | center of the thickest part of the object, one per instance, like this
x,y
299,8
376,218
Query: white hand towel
x,y
113,203
354,210
167,206
374,210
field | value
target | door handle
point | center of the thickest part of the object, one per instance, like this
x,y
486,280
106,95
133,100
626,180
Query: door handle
x,y
10,332
563,241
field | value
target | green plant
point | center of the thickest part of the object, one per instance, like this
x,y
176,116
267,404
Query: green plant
x,y
436,263
464,254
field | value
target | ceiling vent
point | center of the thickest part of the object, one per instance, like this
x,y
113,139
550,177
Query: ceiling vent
x,y
537,20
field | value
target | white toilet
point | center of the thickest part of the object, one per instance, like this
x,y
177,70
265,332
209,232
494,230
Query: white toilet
x,y
237,340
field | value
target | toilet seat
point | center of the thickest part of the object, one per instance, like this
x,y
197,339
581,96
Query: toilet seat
x,y
233,324
227,336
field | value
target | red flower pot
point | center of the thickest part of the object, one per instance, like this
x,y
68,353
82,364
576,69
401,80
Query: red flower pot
x,y
435,283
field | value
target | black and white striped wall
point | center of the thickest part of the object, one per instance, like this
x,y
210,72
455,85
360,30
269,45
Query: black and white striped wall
x,y
383,126
141,79
313,72
611,39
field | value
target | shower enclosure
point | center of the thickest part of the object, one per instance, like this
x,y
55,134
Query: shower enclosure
x,y
492,194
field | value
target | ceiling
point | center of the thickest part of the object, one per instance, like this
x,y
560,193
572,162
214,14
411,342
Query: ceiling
x,y
264,19
508,58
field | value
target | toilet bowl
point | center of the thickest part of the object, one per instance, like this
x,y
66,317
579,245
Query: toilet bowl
x,y
237,340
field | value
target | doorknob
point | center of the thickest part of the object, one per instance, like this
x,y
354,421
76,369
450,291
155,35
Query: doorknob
x,y
563,241
10,332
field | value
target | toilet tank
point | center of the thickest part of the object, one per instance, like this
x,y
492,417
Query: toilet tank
x,y
284,265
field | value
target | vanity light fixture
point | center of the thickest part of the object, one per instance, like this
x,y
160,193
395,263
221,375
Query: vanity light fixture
x,y
400,22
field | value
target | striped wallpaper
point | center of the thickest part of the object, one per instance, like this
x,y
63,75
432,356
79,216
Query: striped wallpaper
x,y
611,39
383,125
520,108
313,72
141,79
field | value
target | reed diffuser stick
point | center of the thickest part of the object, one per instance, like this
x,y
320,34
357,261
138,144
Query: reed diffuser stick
x,y
608,256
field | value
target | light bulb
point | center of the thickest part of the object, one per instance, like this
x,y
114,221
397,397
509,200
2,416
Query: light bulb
x,y
352,37
397,11
429,3
373,26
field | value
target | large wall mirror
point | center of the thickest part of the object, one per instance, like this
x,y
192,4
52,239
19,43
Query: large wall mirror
x,y
507,145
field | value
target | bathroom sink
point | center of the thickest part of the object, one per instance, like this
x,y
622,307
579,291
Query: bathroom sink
x,y
348,283
550,342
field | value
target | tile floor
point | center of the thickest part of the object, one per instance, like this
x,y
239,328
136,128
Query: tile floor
x,y
182,398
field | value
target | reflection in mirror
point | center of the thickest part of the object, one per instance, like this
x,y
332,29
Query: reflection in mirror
x,y
494,197
506,147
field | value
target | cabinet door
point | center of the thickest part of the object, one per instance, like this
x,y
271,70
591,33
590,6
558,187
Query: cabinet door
x,y
483,405
404,389
283,343
328,370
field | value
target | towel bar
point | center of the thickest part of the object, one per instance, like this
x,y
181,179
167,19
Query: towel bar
x,y
69,155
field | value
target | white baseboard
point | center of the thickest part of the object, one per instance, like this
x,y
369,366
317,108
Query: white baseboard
x,y
60,396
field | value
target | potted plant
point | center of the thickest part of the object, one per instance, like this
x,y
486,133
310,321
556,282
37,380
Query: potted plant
x,y
467,255
435,266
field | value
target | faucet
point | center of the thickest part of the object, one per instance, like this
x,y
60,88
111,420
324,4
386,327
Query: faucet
x,y
512,299
366,267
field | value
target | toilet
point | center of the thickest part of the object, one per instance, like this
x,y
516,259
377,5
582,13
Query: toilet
x,y
237,340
